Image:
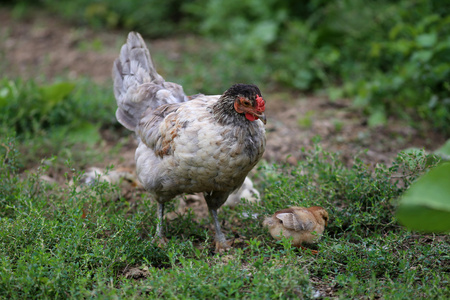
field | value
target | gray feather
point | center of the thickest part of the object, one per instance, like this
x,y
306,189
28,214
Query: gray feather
x,y
137,84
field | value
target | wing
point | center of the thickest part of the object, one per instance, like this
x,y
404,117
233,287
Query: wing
x,y
297,221
159,128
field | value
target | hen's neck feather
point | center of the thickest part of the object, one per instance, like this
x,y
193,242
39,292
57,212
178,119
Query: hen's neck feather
x,y
241,130
226,115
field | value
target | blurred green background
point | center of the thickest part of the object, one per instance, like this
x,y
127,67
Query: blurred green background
x,y
390,57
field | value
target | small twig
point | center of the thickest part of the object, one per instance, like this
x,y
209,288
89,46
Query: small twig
x,y
7,152
401,176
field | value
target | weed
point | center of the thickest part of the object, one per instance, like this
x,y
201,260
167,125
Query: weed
x,y
63,118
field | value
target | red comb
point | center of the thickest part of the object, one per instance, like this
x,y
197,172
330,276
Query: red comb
x,y
260,104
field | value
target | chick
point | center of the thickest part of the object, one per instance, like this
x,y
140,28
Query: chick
x,y
302,224
94,174
121,176
246,191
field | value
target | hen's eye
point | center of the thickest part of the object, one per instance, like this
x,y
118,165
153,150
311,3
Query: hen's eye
x,y
245,102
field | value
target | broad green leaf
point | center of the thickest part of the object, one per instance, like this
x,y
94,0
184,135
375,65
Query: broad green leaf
x,y
378,117
303,79
444,151
427,39
85,133
422,56
396,30
8,91
426,205
375,49
265,31
335,93
403,46
4,93
55,93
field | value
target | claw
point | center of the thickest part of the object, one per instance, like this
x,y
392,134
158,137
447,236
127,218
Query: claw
x,y
223,246
160,241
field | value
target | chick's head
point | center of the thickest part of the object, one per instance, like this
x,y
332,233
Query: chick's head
x,y
320,214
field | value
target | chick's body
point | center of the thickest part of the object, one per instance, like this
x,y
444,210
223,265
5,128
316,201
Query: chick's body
x,y
304,225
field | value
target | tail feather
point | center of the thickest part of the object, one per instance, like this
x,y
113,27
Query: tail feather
x,y
137,84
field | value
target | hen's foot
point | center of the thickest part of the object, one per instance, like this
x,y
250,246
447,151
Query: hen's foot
x,y
223,246
160,241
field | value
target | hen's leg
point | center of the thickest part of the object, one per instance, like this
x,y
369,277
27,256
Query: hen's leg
x,y
221,241
214,201
160,238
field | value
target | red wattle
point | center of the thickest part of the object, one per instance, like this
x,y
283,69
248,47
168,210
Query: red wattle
x,y
251,117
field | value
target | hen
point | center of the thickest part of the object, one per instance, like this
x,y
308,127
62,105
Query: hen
x,y
187,144
302,224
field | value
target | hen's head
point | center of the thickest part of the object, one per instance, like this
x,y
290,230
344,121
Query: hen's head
x,y
244,100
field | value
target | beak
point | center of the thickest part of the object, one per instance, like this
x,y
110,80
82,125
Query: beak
x,y
262,117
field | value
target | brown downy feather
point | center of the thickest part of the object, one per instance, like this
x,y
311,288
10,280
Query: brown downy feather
x,y
302,224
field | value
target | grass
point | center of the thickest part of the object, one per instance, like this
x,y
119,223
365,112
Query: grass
x,y
63,120
58,241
